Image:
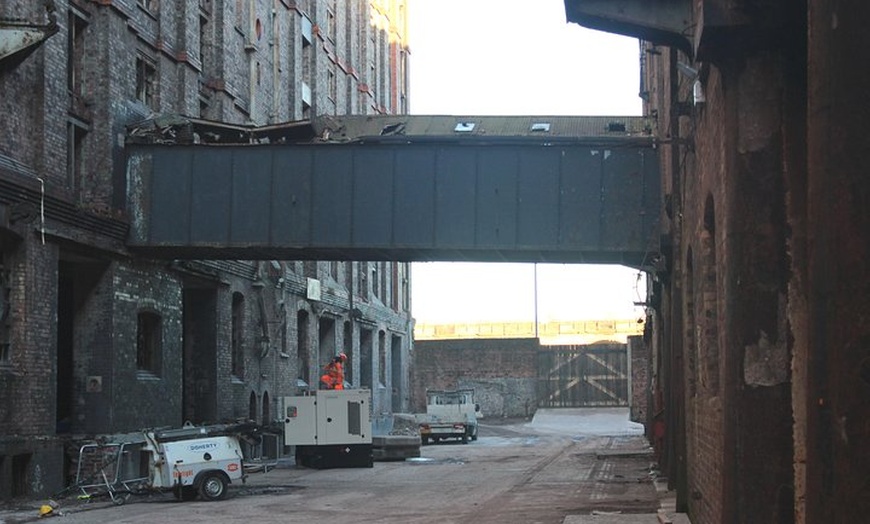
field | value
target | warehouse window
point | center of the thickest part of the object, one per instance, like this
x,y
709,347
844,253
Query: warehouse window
x,y
146,81
348,350
149,343
75,51
709,297
252,407
331,22
149,5
302,347
333,85
75,162
267,408
362,280
382,358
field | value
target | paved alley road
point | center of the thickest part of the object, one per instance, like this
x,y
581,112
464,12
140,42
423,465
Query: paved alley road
x,y
523,473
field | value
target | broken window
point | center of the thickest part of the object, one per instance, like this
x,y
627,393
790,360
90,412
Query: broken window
x,y
149,343
76,132
76,51
331,23
146,81
149,5
333,85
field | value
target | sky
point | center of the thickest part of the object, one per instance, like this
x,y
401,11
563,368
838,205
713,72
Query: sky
x,y
518,57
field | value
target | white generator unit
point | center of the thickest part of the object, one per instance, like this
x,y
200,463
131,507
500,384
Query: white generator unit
x,y
330,428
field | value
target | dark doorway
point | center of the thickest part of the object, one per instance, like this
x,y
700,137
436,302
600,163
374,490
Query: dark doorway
x,y
77,278
199,358
366,363
396,372
303,351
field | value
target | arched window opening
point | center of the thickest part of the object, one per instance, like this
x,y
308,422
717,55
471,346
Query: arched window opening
x,y
302,349
267,411
710,298
252,407
691,327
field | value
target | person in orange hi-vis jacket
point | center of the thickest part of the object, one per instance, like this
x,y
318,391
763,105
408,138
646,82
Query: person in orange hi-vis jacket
x,y
334,376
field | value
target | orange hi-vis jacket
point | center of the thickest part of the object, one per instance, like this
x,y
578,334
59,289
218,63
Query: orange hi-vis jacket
x,y
334,376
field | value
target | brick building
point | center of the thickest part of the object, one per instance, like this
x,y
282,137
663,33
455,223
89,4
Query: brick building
x,y
513,377
759,303
503,373
96,340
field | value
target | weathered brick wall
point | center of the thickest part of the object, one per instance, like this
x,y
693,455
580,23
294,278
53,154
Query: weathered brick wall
x,y
725,347
27,379
142,400
639,353
31,468
832,399
503,373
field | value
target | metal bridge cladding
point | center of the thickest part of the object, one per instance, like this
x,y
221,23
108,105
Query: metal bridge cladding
x,y
405,188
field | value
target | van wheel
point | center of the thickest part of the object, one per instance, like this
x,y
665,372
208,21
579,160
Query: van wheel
x,y
184,493
213,486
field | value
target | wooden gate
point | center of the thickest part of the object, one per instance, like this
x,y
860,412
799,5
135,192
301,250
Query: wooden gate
x,y
583,376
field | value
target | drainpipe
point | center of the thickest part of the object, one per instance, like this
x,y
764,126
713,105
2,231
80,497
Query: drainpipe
x,y
276,52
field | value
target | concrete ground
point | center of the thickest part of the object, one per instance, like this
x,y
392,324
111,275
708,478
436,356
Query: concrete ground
x,y
566,466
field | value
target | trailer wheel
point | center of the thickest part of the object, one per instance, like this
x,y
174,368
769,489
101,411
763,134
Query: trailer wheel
x,y
213,486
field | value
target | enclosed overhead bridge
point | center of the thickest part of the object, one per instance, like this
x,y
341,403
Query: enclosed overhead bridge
x,y
407,188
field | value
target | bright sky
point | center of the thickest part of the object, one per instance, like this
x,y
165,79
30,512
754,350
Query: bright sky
x,y
518,57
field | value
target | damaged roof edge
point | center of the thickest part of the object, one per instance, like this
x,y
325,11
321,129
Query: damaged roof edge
x,y
665,23
177,129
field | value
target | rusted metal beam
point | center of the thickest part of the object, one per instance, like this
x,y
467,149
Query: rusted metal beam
x,y
19,38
